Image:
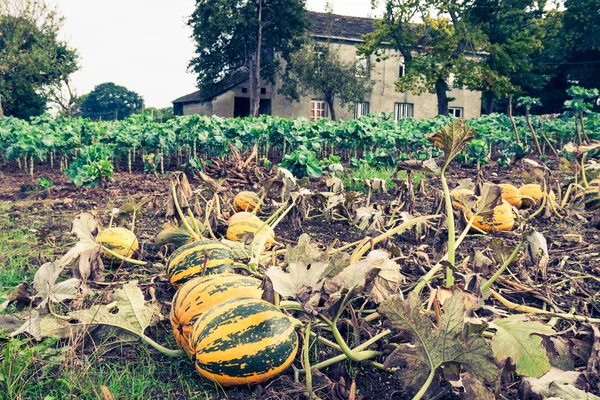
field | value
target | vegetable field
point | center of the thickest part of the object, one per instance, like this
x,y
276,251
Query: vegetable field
x,y
281,259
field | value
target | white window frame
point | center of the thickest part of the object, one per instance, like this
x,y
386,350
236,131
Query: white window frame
x,y
453,111
361,109
316,111
404,110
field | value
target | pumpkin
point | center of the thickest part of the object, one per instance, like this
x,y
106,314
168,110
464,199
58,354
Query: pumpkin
x,y
514,196
200,294
590,197
240,216
246,201
595,182
119,240
190,260
502,220
243,341
534,191
455,195
239,229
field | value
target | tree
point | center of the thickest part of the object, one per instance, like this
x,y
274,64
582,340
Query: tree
x,y
581,21
160,114
109,101
317,68
516,33
32,58
439,52
249,35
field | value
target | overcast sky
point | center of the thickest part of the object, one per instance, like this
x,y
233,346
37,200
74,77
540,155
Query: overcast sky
x,y
145,45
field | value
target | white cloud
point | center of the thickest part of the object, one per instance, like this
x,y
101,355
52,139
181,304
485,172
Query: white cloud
x,y
145,45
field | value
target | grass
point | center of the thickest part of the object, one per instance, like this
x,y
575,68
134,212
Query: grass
x,y
61,369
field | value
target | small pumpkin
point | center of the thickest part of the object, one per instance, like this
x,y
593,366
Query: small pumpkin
x,y
534,191
243,341
240,216
513,195
238,230
246,201
455,194
502,220
119,240
200,294
191,260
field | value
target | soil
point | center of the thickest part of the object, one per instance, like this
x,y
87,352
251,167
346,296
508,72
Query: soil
x,y
573,245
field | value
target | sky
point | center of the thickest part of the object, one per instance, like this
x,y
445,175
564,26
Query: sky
x,y
145,45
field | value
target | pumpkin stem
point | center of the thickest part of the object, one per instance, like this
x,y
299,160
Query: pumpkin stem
x,y
122,258
183,219
508,261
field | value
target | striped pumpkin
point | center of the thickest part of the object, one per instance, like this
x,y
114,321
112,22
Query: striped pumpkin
x,y
243,341
240,216
198,295
189,261
590,197
119,240
239,229
246,201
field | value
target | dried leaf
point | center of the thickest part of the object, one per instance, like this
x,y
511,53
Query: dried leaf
x,y
555,384
298,275
452,138
517,337
44,282
355,275
304,251
86,250
429,166
9,323
475,389
435,346
537,249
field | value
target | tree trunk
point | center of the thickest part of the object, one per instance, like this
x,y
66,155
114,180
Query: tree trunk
x,y
441,90
255,95
331,108
489,103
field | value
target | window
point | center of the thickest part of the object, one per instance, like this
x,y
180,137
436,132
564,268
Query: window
x,y
244,90
404,110
263,90
317,110
363,65
457,112
401,71
361,109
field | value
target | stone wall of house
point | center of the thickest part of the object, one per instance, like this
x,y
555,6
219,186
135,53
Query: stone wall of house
x,y
383,98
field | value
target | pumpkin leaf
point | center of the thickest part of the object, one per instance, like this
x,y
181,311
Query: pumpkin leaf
x,y
433,347
555,384
428,166
452,138
299,275
44,282
517,338
489,199
475,389
128,311
358,274
304,251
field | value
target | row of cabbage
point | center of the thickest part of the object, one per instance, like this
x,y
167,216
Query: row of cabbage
x,y
140,142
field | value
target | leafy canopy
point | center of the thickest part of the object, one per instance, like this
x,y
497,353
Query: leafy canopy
x,y
111,102
32,58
